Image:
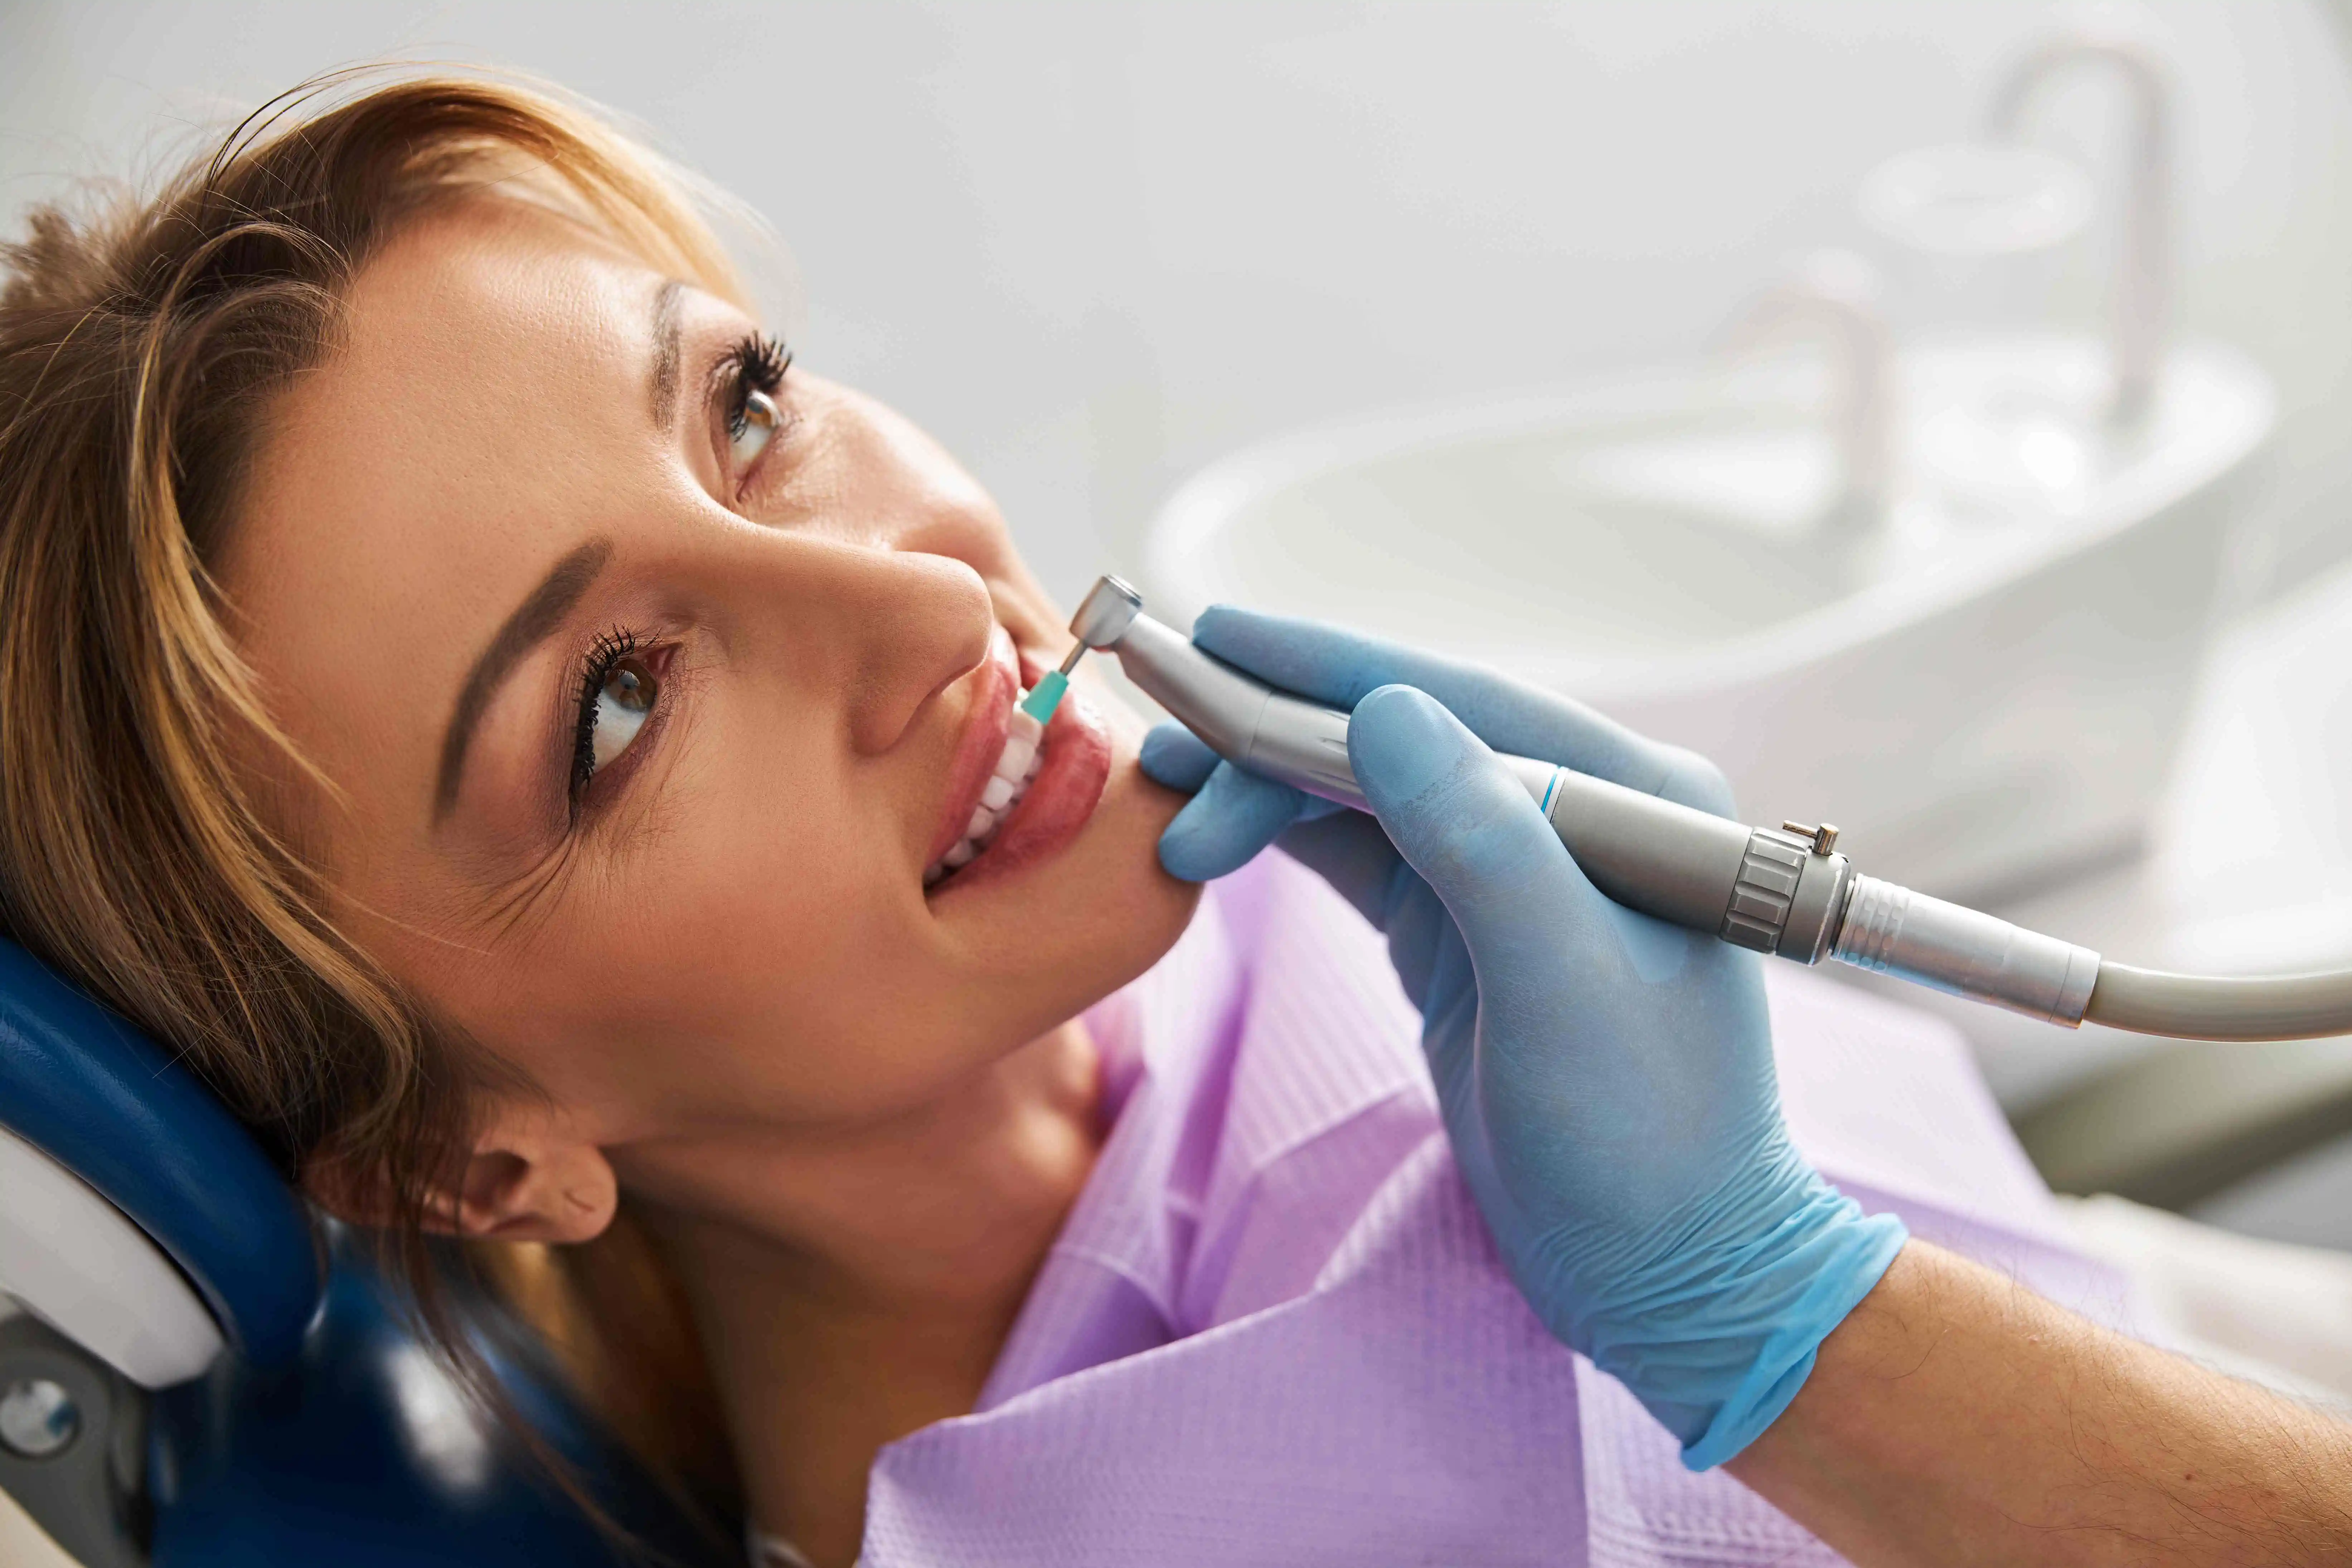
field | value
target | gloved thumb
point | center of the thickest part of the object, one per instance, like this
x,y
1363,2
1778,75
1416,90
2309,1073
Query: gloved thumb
x,y
1466,824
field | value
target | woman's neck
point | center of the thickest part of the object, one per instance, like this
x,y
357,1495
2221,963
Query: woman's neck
x,y
848,1295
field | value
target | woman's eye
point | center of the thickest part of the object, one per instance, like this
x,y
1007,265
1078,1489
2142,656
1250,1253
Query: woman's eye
x,y
753,426
622,704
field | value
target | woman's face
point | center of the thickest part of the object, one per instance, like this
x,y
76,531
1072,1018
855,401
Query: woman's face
x,y
654,683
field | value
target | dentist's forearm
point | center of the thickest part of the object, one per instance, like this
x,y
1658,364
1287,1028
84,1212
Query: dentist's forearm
x,y
1956,1417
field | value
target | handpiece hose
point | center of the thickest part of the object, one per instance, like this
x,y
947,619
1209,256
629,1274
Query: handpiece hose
x,y
1779,891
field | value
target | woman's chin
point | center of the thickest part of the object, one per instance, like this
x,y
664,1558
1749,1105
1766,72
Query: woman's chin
x,y
1065,919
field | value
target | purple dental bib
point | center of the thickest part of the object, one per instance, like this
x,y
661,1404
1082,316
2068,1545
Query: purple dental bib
x,y
1274,1330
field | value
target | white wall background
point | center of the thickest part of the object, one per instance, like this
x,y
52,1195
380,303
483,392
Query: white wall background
x,y
1093,245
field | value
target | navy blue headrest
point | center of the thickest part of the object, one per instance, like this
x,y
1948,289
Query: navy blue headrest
x,y
100,1098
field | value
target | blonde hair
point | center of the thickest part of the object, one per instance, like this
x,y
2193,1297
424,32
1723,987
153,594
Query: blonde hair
x,y
142,343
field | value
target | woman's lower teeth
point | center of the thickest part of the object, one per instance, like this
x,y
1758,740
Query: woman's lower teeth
x,y
1016,765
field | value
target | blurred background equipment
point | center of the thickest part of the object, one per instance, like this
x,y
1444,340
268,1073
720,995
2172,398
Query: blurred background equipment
x,y
1959,611
1095,246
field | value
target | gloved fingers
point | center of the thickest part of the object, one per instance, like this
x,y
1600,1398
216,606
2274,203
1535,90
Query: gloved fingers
x,y
1341,667
1435,970
1222,828
1437,976
1350,851
1175,756
1465,824
1689,779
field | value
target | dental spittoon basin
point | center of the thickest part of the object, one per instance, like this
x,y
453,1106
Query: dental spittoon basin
x,y
1664,548
1783,891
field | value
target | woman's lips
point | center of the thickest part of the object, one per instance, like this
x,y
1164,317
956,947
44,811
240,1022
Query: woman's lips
x,y
996,686
1075,767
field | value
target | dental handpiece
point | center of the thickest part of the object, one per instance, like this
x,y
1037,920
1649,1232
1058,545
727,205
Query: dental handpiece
x,y
1784,891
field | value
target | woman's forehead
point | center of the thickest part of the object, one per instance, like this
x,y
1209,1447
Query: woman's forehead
x,y
486,403
502,288
493,364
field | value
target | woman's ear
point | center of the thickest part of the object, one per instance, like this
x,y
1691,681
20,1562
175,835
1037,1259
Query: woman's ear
x,y
528,1178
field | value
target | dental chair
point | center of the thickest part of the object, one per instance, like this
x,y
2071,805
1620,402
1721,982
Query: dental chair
x,y
193,1374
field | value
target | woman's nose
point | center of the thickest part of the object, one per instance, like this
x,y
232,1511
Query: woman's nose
x,y
906,624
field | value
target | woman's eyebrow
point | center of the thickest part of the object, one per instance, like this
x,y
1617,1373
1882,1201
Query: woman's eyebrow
x,y
533,622
666,353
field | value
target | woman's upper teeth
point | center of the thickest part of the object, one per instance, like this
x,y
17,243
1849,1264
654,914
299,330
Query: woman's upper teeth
x,y
1007,783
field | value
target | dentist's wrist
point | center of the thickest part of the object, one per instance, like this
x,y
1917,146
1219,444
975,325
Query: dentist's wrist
x,y
1719,1331
1819,1280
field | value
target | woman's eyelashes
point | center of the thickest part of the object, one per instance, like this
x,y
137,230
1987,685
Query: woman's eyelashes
x,y
620,685
619,689
751,374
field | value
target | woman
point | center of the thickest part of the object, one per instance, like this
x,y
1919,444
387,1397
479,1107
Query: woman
x,y
543,758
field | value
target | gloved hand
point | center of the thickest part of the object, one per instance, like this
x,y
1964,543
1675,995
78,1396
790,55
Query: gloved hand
x,y
1606,1078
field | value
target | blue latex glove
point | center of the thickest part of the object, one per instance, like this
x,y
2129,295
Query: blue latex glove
x,y
1606,1078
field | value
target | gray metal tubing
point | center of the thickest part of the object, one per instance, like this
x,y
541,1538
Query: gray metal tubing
x,y
2203,1008
1758,888
1894,931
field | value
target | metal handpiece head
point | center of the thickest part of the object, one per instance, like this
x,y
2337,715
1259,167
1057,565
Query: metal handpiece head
x,y
1105,614
1109,608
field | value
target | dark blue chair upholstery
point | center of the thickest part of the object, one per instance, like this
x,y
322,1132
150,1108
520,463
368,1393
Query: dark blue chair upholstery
x,y
328,1433
101,1099
362,1454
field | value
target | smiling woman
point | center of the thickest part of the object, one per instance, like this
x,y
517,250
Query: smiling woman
x,y
537,752
548,760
